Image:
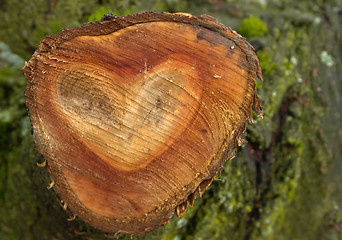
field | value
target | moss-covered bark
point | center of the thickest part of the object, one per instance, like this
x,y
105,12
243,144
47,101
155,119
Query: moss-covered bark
x,y
284,183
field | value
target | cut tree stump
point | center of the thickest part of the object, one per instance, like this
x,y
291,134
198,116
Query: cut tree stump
x,y
135,115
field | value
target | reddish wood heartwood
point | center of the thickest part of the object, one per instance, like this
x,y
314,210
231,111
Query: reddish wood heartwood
x,y
135,115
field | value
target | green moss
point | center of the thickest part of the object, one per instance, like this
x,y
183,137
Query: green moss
x,y
171,5
252,27
98,14
267,65
55,27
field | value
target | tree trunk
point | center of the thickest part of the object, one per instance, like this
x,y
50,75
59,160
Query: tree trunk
x,y
135,115
284,183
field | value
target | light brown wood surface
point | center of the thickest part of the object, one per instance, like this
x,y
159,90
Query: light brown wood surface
x,y
136,115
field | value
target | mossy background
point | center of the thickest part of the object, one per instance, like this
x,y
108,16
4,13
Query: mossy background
x,y
285,183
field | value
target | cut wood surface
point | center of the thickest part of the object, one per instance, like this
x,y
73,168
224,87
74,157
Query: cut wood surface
x,y
135,115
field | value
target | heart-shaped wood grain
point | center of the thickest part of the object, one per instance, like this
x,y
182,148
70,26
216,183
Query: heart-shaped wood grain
x,y
135,115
